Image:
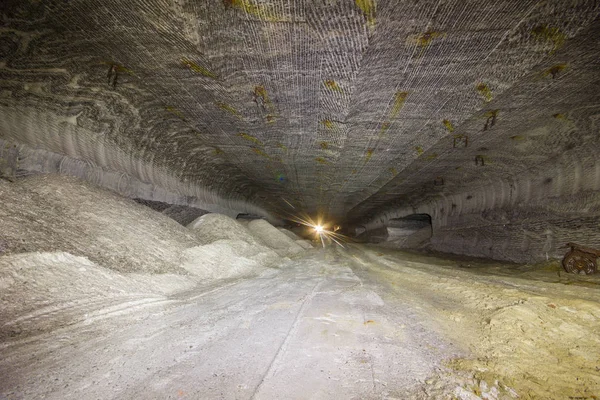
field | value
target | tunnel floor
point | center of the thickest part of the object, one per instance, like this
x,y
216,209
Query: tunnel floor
x,y
355,323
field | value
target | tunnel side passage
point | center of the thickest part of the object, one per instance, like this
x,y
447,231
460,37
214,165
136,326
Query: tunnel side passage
x,y
411,231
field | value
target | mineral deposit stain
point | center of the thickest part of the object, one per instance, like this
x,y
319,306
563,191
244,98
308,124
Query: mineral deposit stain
x,y
419,150
322,161
261,153
250,138
369,154
490,119
368,9
264,103
554,70
333,85
324,145
560,116
423,40
393,171
119,68
175,111
552,34
260,10
199,69
432,156
328,123
217,151
485,91
282,146
228,108
518,138
399,100
448,125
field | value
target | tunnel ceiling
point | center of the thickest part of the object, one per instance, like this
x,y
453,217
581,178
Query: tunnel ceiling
x,y
335,106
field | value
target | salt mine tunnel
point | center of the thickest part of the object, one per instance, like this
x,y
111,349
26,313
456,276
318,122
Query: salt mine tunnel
x,y
299,199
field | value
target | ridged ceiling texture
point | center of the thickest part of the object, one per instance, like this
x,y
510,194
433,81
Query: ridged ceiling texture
x,y
348,108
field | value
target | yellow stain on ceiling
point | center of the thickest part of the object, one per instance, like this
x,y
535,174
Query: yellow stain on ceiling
x,y
217,151
368,8
369,154
250,138
419,150
175,111
491,113
321,160
119,67
262,99
263,11
485,91
554,70
328,123
282,146
393,171
199,69
560,116
261,93
549,33
333,85
432,156
424,39
448,125
228,108
399,100
324,145
261,153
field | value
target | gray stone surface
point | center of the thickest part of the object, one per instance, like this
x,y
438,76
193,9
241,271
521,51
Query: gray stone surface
x,y
360,111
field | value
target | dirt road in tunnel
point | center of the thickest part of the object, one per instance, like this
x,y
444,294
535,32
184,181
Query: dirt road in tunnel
x,y
354,323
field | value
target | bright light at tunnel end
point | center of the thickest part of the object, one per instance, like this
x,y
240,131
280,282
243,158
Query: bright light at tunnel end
x,y
318,229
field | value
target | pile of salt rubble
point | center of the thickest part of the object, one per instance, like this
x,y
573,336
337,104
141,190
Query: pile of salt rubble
x,y
66,245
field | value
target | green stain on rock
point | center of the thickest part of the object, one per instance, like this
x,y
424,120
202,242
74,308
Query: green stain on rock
x,y
548,33
120,68
228,108
560,116
554,70
282,146
399,100
256,8
175,111
485,91
199,69
261,153
250,138
333,85
368,9
448,125
328,123
424,39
